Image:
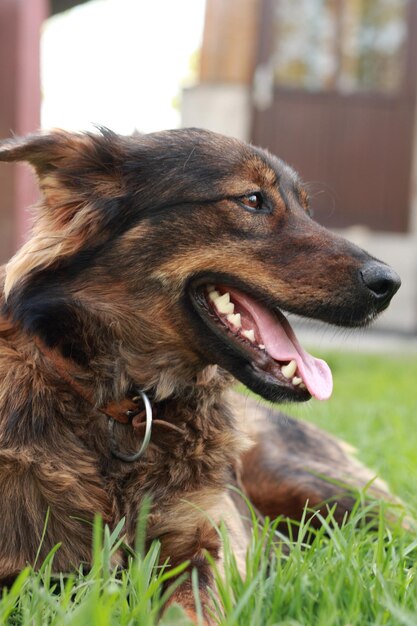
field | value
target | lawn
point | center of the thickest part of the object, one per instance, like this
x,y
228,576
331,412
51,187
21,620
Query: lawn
x,y
355,576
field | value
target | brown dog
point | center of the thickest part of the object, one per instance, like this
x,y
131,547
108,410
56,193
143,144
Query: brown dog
x,y
160,264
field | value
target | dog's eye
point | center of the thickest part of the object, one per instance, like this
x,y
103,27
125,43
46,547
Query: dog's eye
x,y
253,201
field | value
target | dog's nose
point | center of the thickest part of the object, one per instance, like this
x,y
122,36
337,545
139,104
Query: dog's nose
x,y
381,280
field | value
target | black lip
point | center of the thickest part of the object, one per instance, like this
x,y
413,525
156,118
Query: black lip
x,y
356,308
252,367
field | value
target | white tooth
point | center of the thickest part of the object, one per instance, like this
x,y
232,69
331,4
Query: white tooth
x,y
302,386
289,369
223,304
226,309
249,334
262,346
296,380
235,320
213,295
225,297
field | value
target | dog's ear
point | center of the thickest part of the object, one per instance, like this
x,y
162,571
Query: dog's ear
x,y
72,168
40,150
80,182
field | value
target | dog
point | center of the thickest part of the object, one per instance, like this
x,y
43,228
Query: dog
x,y
154,278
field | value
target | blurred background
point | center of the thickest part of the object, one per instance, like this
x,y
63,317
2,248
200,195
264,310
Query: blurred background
x,y
328,85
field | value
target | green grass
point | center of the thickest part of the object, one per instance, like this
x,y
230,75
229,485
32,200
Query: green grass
x,y
350,576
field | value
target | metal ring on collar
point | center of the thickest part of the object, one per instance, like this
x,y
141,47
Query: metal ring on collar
x,y
130,458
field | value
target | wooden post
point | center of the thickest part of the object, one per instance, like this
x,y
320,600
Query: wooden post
x,y
20,24
230,41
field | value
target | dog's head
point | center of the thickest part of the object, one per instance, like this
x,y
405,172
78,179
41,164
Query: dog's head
x,y
164,253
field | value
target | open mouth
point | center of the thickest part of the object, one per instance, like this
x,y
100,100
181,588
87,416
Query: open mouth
x,y
279,368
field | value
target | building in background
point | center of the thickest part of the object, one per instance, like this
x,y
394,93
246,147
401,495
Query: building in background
x,y
330,86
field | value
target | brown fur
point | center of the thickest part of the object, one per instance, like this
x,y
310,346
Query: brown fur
x,y
123,226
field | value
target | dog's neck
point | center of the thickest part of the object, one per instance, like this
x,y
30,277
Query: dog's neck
x,y
122,410
195,408
194,430
134,410
199,411
127,407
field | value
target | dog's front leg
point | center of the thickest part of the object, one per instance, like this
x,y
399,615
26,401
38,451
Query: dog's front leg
x,y
193,548
185,595
190,531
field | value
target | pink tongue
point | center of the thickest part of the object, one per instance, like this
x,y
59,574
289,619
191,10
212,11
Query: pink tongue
x,y
282,345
